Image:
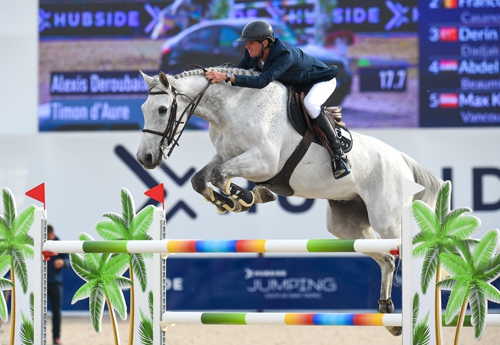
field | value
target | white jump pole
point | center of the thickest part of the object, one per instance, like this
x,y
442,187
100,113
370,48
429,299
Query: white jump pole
x,y
297,319
226,246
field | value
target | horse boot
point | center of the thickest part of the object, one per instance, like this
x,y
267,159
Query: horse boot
x,y
340,163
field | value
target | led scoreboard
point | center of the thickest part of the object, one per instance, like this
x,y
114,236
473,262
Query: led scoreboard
x,y
459,63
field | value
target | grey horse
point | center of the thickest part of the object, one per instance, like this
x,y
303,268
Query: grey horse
x,y
253,137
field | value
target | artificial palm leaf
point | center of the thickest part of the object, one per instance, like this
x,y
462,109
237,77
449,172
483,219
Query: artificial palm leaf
x,y
425,218
429,267
145,330
443,202
142,222
27,330
84,291
421,330
112,229
9,207
146,324
128,210
461,227
97,301
139,268
115,298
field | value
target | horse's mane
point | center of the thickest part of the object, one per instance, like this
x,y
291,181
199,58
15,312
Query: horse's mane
x,y
222,68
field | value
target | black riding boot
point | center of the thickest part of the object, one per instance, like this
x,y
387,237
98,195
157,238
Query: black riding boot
x,y
340,163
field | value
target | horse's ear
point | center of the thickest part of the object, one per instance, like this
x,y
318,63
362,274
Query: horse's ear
x,y
164,80
147,78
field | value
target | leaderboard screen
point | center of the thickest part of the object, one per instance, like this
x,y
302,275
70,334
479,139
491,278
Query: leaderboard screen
x,y
405,63
459,63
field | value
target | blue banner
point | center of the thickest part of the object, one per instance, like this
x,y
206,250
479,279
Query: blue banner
x,y
91,114
98,83
258,284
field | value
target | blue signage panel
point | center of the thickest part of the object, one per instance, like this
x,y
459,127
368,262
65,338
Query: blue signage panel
x,y
258,284
274,283
132,19
98,83
357,16
91,114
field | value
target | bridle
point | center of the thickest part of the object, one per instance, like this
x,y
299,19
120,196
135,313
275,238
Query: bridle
x,y
168,134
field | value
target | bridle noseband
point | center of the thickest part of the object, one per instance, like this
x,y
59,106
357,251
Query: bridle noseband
x,y
172,123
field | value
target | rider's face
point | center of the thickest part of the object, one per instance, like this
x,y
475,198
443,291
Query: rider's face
x,y
254,48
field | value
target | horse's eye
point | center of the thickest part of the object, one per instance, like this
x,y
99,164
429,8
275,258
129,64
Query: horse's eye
x,y
162,110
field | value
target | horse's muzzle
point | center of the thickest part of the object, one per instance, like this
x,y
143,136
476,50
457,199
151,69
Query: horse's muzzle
x,y
147,160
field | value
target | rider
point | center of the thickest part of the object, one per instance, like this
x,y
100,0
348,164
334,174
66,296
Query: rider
x,y
291,66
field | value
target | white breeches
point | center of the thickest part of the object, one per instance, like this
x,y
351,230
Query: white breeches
x,y
318,95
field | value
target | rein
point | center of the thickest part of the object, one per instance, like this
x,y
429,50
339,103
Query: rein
x,y
173,124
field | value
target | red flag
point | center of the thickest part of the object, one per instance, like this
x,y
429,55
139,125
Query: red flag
x,y
38,193
157,193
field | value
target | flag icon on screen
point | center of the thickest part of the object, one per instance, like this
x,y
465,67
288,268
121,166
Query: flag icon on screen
x,y
448,34
450,3
448,100
448,65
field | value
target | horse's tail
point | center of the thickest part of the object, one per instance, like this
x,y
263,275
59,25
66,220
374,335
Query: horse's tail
x,y
424,177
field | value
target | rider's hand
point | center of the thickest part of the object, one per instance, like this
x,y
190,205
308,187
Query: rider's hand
x,y
216,77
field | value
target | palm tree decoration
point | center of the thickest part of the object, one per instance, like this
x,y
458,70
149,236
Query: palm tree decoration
x,y
129,226
27,331
442,231
421,331
17,245
5,284
103,273
146,324
471,275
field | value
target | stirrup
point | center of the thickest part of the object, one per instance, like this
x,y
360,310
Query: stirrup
x,y
340,167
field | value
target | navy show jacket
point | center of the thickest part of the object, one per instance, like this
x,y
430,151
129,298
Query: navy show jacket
x,y
287,64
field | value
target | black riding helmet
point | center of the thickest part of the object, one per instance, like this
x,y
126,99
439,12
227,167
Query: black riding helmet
x,y
258,30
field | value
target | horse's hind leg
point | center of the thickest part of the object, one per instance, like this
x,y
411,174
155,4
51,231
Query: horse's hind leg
x,y
349,220
387,266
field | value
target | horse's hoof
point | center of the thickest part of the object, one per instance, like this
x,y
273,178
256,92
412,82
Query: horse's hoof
x,y
263,195
395,330
385,306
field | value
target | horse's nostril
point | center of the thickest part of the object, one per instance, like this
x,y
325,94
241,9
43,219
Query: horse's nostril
x,y
149,159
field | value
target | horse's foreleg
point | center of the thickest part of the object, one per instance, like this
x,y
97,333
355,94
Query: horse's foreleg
x,y
245,165
200,180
